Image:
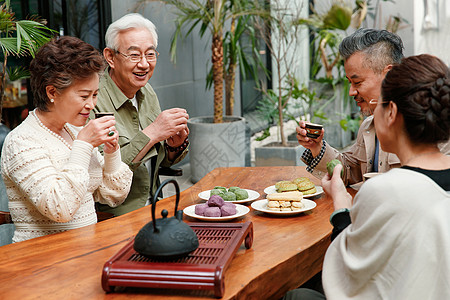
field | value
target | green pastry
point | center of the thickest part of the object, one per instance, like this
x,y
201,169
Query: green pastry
x,y
228,196
241,194
216,192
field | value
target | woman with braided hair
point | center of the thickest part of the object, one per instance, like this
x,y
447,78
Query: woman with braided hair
x,y
397,242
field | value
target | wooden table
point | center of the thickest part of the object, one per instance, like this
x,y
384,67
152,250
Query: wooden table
x,y
286,251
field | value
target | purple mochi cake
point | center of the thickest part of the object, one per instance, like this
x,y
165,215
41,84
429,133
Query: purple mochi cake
x,y
228,209
200,209
216,201
212,211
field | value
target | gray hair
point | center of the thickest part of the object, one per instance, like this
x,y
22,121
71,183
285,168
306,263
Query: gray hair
x,y
381,47
133,20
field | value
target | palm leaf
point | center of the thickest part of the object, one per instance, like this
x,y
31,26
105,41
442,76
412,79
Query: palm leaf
x,y
17,73
9,46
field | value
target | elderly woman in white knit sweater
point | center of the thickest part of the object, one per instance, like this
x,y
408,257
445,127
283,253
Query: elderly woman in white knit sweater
x,y
393,241
51,167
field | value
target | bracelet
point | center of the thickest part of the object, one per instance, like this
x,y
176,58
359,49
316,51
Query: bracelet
x,y
179,148
341,210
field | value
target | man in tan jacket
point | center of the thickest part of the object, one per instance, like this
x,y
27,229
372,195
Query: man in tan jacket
x,y
368,55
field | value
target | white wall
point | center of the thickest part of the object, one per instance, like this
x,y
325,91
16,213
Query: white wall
x,y
433,39
418,39
405,9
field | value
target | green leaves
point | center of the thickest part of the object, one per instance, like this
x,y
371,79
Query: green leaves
x,y
18,73
30,36
338,17
19,38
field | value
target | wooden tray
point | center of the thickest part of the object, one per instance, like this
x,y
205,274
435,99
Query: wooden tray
x,y
202,269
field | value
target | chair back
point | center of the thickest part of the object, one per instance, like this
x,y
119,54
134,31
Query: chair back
x,y
5,218
7,227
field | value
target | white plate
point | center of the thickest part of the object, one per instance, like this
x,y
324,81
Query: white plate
x,y
241,211
252,195
261,205
271,189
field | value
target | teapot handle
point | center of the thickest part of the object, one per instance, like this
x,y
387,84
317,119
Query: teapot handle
x,y
158,191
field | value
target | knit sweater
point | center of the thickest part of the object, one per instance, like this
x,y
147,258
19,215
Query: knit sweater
x,y
398,245
52,186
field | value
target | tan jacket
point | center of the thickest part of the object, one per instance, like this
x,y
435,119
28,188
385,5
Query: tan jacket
x,y
358,159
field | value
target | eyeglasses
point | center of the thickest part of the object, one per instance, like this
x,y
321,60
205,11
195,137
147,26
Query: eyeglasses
x,y
375,101
135,58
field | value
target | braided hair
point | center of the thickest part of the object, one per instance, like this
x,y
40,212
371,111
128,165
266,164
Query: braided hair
x,y
420,87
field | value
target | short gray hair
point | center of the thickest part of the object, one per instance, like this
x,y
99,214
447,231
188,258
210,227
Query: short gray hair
x,y
133,20
381,47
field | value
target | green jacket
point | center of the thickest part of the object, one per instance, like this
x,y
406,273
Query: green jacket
x,y
132,140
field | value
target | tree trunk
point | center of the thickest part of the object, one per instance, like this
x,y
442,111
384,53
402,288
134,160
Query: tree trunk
x,y
280,117
217,61
230,78
280,108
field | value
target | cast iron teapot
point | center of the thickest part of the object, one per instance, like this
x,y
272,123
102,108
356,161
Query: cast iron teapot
x,y
166,238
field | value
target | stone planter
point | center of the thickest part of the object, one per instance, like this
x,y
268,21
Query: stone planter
x,y
216,145
275,155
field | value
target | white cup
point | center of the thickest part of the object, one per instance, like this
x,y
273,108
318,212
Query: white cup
x,y
369,175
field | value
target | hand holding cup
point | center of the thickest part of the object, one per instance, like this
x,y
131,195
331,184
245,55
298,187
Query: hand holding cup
x,y
98,132
103,114
304,137
313,130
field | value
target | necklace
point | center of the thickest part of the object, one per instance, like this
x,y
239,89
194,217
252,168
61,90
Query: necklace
x,y
59,137
420,155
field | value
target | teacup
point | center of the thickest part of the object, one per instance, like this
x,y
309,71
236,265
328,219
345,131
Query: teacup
x,y
103,114
369,175
313,130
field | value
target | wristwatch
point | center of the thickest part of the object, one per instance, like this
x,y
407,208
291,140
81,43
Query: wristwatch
x,y
338,211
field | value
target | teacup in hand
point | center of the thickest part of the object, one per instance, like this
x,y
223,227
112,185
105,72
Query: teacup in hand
x,y
103,114
313,130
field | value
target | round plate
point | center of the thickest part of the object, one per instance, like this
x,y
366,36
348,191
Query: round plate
x,y
241,211
271,189
252,195
261,205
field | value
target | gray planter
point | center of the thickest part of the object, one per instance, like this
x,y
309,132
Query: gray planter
x,y
216,145
275,155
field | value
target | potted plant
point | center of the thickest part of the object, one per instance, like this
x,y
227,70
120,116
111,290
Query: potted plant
x,y
218,140
18,38
285,39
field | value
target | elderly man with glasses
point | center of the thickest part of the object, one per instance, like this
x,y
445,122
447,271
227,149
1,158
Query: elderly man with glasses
x,y
368,55
148,137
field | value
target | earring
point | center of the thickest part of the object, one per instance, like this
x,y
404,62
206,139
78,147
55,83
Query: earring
x,y
52,100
